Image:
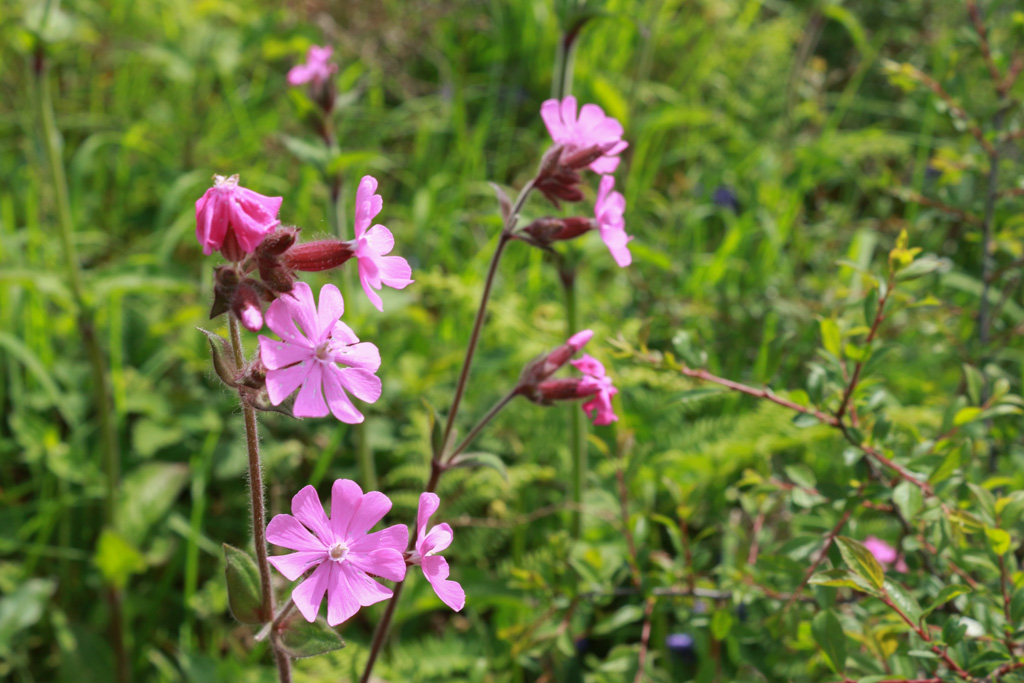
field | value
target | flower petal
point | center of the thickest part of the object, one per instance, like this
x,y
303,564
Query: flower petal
x,y
364,278
281,383
362,355
277,354
395,272
362,384
307,509
368,204
342,601
589,365
291,309
429,502
310,593
439,538
294,565
310,401
339,402
345,498
395,537
435,568
300,74
331,308
380,239
372,508
384,562
366,590
288,532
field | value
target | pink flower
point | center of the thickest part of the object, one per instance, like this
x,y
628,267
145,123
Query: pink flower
x,y
376,269
598,385
342,552
885,553
316,69
592,128
313,344
435,567
230,212
608,211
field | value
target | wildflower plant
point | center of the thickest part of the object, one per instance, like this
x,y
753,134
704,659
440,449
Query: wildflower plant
x,y
315,365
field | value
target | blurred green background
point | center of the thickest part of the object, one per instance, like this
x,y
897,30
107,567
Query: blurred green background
x,y
767,145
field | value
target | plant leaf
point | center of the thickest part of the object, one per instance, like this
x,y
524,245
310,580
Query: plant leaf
x,y
244,591
861,560
828,633
300,638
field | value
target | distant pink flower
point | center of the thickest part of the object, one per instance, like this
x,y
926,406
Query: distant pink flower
x,y
371,245
435,567
316,69
885,553
591,128
608,210
342,552
596,384
229,211
313,345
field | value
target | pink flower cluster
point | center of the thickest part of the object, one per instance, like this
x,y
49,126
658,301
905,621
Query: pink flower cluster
x,y
317,69
343,555
592,134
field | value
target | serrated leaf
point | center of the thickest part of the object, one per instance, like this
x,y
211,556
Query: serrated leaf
x,y
828,634
861,561
908,498
300,638
244,591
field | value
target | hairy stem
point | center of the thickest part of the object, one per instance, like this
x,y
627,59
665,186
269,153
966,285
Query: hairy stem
x,y
109,447
259,525
577,427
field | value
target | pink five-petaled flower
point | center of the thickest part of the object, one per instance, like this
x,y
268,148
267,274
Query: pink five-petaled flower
x,y
340,549
316,69
232,213
596,384
608,210
435,567
371,245
885,553
313,343
590,129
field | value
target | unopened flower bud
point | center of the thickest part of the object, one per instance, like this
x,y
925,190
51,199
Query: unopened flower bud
x,y
277,242
561,184
225,279
275,276
316,256
545,231
546,393
544,366
245,304
585,157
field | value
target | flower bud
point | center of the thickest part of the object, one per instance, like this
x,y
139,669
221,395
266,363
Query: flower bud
x,y
245,304
277,242
542,367
545,231
546,393
586,156
316,256
225,279
275,276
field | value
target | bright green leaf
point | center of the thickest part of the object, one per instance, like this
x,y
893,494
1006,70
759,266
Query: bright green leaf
x,y
861,560
244,590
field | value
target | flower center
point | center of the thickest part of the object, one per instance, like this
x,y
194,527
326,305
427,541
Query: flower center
x,y
338,551
230,182
323,352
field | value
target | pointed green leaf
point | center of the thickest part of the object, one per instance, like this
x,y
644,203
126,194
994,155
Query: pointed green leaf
x,y
861,560
1017,606
842,578
908,499
945,595
998,540
975,383
828,633
146,496
300,638
721,624
117,559
244,591
831,339
223,357
902,598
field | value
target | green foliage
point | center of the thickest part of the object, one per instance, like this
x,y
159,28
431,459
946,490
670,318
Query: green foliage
x,y
859,192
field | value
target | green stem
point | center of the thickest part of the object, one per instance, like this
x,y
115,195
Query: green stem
x,y
577,427
475,432
87,331
259,526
